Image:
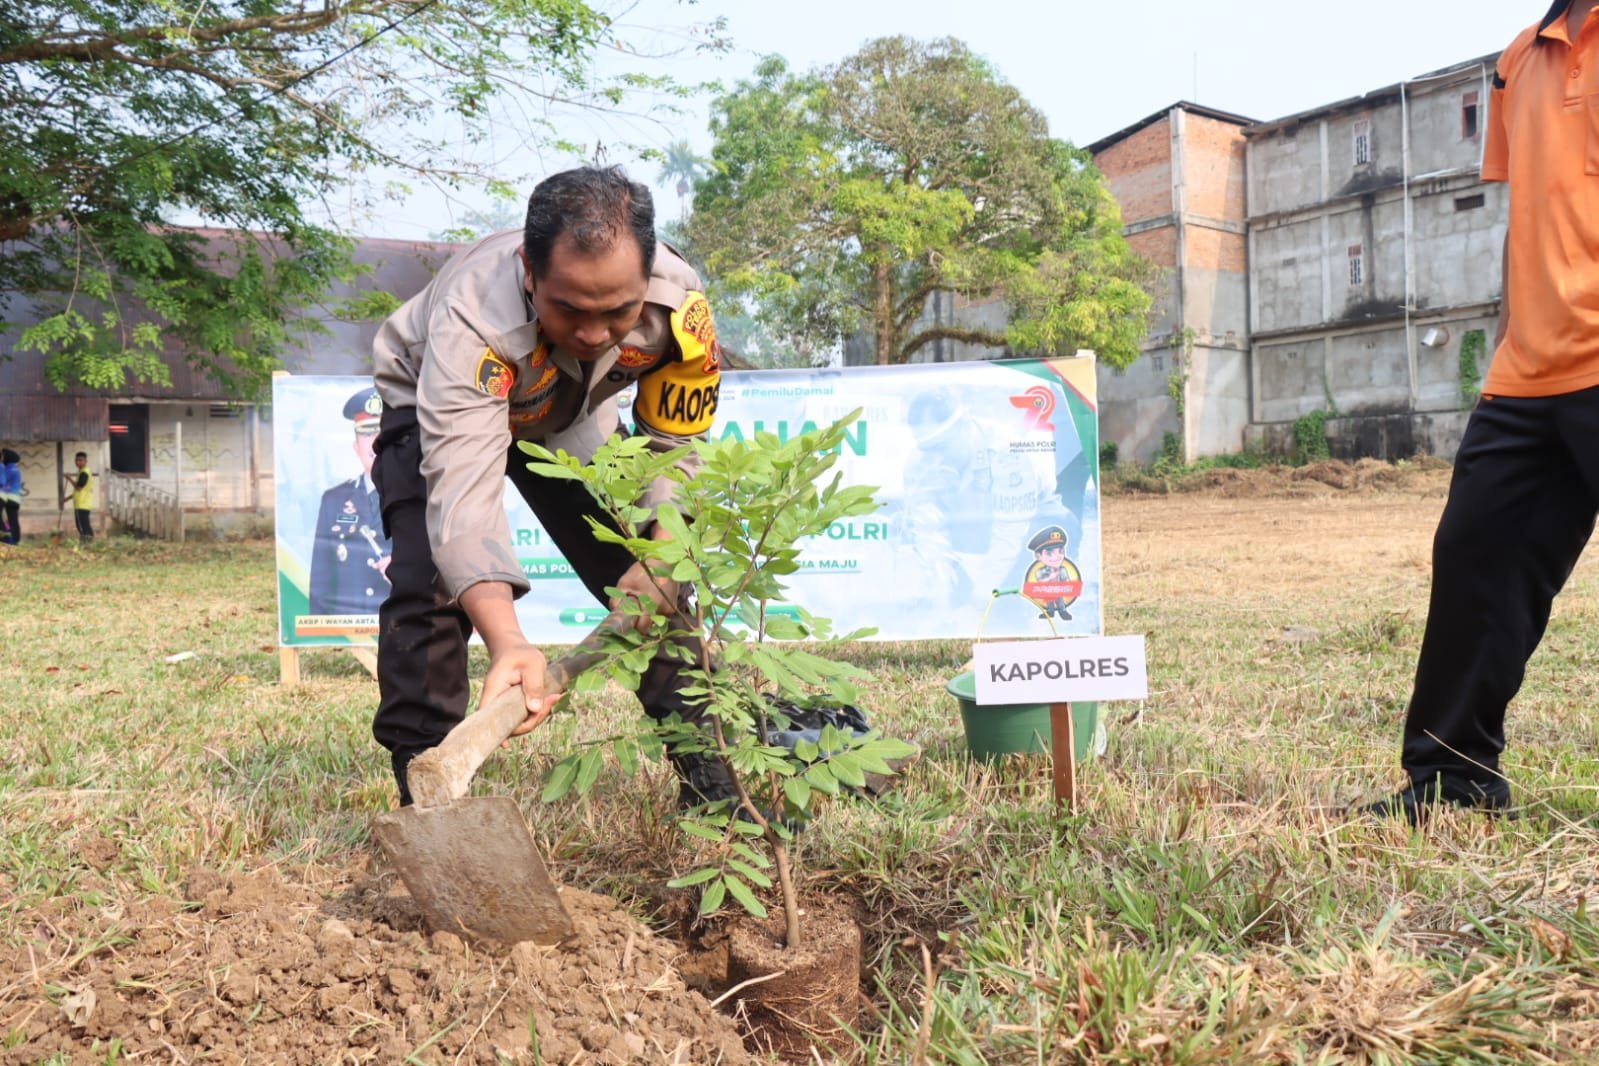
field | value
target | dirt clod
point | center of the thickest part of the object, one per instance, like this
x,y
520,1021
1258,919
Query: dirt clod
x,y
259,967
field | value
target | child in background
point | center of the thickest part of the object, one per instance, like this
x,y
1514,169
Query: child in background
x,y
10,497
80,490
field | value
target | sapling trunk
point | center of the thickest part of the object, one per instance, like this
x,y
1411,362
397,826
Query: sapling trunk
x,y
785,881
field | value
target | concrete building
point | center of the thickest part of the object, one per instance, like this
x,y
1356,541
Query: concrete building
x,y
1374,265
187,447
1179,178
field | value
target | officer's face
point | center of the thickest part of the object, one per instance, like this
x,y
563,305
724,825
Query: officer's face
x,y
587,303
363,450
1052,555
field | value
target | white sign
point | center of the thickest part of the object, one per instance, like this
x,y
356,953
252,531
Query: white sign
x,y
1070,669
987,474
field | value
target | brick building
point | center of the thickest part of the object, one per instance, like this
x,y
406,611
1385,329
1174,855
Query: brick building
x,y
1340,261
1179,178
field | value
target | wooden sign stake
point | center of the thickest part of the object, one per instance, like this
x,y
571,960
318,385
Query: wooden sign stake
x,y
1063,746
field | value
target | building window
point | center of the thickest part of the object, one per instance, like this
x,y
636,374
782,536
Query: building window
x,y
1362,142
1357,271
1470,203
130,438
1468,116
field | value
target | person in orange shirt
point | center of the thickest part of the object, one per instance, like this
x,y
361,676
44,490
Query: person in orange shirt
x,y
1525,490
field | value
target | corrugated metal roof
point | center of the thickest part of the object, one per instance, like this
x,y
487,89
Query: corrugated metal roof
x,y
53,417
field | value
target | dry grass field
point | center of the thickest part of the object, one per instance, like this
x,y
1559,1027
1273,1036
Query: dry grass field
x,y
185,874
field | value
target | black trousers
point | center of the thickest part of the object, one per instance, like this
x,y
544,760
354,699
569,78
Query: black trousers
x,y
1521,507
422,636
85,521
12,520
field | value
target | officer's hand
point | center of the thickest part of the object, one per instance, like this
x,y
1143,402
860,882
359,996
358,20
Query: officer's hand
x,y
521,664
658,594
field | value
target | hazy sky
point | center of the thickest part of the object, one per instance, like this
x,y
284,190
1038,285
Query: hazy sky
x,y
1091,68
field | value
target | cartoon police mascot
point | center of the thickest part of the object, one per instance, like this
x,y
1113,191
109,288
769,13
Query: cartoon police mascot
x,y
1053,581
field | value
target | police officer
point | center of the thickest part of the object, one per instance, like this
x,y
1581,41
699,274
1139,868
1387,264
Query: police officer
x,y
350,556
528,336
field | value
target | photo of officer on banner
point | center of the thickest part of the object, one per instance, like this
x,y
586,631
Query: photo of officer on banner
x,y
350,554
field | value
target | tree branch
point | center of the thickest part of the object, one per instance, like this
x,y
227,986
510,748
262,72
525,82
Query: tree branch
x,y
984,337
89,48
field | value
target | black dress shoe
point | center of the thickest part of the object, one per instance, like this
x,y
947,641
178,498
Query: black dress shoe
x,y
1421,798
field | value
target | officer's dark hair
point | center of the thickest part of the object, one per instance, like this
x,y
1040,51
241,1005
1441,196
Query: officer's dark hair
x,y
9,456
593,207
81,455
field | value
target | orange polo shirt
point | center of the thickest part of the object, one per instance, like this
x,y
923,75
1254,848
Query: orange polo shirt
x,y
1543,138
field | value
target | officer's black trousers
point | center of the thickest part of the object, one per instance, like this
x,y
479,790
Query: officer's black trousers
x,y
1521,507
422,660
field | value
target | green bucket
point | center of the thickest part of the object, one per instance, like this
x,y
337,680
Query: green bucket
x,y
1000,729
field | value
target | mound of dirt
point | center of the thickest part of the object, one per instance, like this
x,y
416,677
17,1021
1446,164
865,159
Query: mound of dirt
x,y
263,969
1423,476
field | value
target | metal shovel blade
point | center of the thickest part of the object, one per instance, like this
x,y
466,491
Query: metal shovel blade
x,y
473,869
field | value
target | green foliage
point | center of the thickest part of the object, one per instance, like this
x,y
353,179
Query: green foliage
x,y
1171,452
1182,346
842,199
1109,454
121,119
1310,437
737,528
1472,347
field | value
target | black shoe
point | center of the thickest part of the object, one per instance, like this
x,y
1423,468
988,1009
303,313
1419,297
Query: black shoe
x,y
1416,802
702,780
399,760
706,785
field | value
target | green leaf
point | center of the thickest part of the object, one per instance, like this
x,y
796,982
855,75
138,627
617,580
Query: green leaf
x,y
751,856
561,779
797,792
847,769
750,873
698,877
820,777
588,770
695,828
627,756
744,897
711,901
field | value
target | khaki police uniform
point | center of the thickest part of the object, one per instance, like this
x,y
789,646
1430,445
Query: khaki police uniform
x,y
465,373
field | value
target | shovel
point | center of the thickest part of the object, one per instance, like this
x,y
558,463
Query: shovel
x,y
471,864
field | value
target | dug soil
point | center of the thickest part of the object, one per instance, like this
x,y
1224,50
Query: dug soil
x,y
320,966
1420,476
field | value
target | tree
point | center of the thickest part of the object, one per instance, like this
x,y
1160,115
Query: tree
x,y
680,162
737,528
843,199
118,117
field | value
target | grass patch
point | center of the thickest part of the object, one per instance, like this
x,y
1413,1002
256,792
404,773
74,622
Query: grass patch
x,y
1211,904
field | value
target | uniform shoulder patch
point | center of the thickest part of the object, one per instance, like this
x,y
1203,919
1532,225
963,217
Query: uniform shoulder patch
x,y
633,358
495,376
695,331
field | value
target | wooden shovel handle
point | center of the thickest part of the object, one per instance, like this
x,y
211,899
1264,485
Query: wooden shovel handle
x,y
444,773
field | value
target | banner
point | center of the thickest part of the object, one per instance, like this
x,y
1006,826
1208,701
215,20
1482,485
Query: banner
x,y
988,475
